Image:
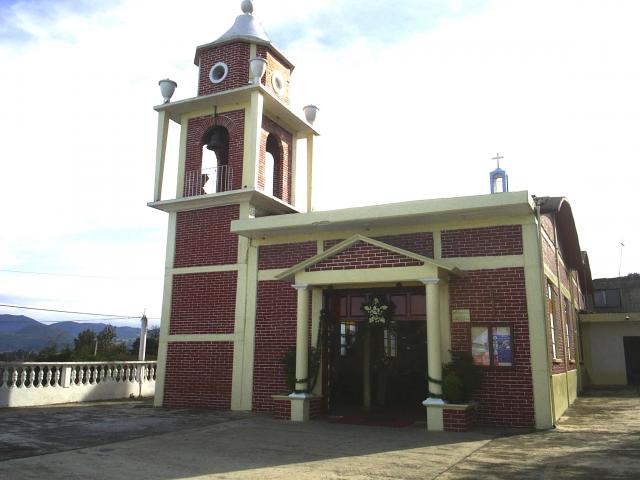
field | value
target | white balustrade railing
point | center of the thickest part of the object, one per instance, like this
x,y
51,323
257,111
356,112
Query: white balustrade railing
x,y
25,384
208,180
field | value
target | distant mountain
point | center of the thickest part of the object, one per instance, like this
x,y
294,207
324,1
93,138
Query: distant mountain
x,y
15,323
18,332
74,328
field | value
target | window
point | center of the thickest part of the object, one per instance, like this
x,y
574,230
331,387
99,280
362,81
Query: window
x,y
492,346
348,331
569,327
609,298
218,72
552,319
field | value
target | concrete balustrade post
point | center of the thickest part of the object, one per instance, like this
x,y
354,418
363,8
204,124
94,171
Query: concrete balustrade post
x,y
65,380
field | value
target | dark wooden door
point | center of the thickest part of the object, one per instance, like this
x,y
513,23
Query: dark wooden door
x,y
632,359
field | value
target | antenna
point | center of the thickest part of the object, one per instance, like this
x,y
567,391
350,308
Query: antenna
x,y
620,264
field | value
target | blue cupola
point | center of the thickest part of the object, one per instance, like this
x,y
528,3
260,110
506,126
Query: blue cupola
x,y
498,179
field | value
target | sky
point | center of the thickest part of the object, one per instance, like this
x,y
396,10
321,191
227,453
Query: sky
x,y
415,99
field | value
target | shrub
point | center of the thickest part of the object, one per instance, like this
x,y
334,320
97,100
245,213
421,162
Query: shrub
x,y
467,374
452,388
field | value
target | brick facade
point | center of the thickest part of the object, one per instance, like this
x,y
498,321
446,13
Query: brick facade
x,y
203,303
275,62
282,408
199,375
459,420
236,56
282,180
285,255
275,334
419,242
549,256
482,242
197,130
497,297
203,237
364,255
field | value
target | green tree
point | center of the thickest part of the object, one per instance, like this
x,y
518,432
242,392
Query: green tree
x,y
84,345
107,338
109,348
153,340
50,353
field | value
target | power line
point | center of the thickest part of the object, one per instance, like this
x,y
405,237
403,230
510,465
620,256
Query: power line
x,y
114,317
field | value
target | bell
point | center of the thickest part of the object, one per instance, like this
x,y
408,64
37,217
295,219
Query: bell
x,y
219,140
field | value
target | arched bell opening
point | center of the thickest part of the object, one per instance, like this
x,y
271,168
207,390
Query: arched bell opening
x,y
216,175
273,167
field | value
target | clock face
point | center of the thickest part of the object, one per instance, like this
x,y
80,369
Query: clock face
x,y
277,82
218,72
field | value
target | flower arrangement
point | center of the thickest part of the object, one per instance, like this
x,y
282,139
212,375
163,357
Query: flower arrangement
x,y
377,311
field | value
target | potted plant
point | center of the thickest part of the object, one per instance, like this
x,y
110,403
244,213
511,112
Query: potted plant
x,y
461,379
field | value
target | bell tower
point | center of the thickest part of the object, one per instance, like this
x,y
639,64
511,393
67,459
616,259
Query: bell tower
x,y
237,159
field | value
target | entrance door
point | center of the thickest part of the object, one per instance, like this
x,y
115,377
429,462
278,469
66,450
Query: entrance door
x,y
397,355
632,359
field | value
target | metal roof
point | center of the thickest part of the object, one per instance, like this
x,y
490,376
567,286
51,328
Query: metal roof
x,y
246,28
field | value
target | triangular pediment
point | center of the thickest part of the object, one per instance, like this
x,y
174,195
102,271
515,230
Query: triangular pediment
x,y
360,252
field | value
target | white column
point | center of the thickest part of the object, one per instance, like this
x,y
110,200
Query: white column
x,y
161,151
434,401
309,172
302,339
300,397
253,131
434,356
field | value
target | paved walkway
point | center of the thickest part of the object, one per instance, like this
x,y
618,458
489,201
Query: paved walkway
x,y
599,438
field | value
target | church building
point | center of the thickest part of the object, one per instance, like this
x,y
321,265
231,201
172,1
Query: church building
x,y
270,306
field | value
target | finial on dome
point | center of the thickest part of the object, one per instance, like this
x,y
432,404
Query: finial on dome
x,y
247,7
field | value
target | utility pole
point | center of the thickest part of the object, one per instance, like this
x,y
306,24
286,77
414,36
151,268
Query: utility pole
x,y
142,349
143,338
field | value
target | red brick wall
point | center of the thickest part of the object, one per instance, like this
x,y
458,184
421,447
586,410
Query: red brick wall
x,y
459,420
546,221
282,409
203,303
482,242
497,297
549,256
564,276
420,242
197,130
285,255
364,255
199,375
315,407
283,169
274,62
203,237
275,334
236,56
